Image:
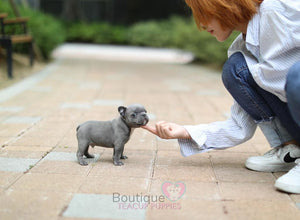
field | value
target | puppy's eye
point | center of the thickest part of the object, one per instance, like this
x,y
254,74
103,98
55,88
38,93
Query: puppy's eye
x,y
133,115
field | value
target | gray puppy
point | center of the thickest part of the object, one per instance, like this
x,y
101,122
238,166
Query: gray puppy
x,y
112,134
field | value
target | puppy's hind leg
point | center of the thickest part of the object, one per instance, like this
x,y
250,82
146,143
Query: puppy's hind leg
x,y
82,149
123,157
86,153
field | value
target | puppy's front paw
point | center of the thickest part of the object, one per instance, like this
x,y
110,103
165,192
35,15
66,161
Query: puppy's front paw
x,y
83,163
118,163
123,157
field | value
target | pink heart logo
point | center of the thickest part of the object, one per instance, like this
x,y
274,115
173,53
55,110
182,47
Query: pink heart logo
x,y
173,191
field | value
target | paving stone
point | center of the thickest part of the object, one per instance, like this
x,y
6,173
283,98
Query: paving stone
x,y
49,182
207,92
42,141
69,141
140,139
66,156
251,191
177,85
247,147
264,209
76,105
230,167
8,177
11,109
193,189
22,86
61,167
135,157
167,145
108,102
202,173
49,129
106,167
104,184
23,204
24,151
187,209
63,156
174,158
295,198
90,85
43,89
16,164
21,120
5,140
100,206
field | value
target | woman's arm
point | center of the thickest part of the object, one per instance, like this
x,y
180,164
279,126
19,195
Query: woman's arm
x,y
238,128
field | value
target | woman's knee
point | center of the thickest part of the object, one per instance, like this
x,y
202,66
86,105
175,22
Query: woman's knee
x,y
293,80
292,91
231,70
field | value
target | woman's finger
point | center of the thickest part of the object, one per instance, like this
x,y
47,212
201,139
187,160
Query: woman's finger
x,y
160,128
150,128
164,130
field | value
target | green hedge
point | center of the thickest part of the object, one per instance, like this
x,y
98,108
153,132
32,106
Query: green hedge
x,y
176,32
180,33
101,33
48,32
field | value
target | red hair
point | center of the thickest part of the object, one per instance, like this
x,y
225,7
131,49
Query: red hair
x,y
229,13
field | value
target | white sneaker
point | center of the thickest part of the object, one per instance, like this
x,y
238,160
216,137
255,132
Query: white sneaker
x,y
290,182
278,159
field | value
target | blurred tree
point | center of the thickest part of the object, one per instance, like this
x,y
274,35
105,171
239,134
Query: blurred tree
x,y
15,8
141,10
114,11
72,11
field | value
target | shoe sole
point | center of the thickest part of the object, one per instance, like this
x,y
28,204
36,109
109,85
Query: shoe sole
x,y
287,188
268,168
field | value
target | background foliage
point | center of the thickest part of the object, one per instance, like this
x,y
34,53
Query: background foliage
x,y
175,32
48,32
182,33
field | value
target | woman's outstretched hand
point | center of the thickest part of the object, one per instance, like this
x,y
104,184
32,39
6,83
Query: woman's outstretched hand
x,y
168,130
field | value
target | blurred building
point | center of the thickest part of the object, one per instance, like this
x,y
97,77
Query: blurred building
x,y
113,11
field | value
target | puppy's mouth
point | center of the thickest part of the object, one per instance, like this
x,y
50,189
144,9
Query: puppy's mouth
x,y
143,123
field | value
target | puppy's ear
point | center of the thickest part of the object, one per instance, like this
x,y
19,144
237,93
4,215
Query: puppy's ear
x,y
122,111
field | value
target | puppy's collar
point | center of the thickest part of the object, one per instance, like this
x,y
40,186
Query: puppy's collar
x,y
124,120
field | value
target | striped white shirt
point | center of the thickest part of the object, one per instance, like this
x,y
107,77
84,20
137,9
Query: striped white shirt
x,y
271,47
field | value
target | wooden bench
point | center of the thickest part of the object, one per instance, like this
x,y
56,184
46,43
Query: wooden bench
x,y
8,39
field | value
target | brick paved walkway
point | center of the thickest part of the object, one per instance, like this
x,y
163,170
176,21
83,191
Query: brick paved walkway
x,y
41,179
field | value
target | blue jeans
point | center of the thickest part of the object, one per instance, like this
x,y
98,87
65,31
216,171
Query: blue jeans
x,y
272,115
292,88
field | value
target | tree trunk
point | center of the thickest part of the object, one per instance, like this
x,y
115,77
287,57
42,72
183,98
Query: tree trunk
x,y
15,8
72,10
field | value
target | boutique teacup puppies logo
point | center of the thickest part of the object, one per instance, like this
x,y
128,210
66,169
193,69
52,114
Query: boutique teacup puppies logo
x,y
173,191
168,200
